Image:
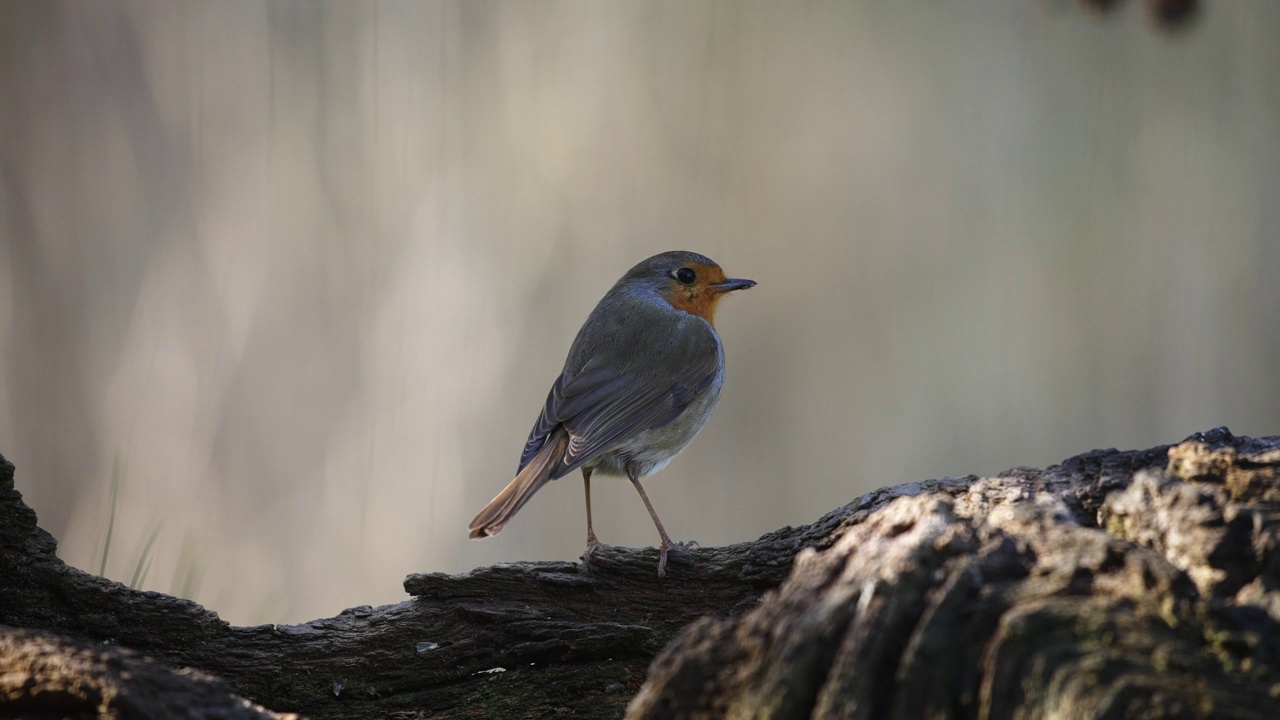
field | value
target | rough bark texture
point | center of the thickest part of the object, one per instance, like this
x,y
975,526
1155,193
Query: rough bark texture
x,y
1117,584
43,675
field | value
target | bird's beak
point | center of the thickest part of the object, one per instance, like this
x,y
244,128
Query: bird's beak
x,y
731,284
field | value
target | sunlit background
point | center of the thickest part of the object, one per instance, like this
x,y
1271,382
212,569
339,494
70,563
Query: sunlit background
x,y
283,285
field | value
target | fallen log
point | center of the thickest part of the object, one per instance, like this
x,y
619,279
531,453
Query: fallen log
x,y
1117,584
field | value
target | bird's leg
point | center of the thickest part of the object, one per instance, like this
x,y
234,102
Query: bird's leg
x,y
666,545
592,542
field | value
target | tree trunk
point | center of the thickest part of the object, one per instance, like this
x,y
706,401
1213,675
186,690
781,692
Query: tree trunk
x,y
1117,584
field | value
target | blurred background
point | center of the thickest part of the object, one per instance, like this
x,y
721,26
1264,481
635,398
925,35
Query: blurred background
x,y
283,285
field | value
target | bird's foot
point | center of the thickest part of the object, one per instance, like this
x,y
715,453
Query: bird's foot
x,y
592,544
679,548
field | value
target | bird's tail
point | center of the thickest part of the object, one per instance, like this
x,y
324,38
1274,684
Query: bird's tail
x,y
533,476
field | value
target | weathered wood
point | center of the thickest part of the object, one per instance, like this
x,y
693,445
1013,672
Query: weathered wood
x,y
1110,586
43,675
567,640
1114,584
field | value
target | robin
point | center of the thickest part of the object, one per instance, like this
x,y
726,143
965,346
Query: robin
x,y
641,380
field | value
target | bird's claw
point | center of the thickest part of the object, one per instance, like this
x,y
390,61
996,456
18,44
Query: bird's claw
x,y
677,547
592,544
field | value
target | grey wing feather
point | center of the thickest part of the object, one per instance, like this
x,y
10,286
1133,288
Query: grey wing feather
x,y
600,408
569,393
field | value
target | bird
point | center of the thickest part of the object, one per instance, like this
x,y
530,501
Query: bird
x,y
641,380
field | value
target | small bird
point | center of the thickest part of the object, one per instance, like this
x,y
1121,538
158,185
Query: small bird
x,y
641,380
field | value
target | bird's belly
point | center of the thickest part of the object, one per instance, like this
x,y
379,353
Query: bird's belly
x,y
651,450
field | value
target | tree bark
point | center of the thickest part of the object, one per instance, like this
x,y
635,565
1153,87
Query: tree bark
x,y
1116,584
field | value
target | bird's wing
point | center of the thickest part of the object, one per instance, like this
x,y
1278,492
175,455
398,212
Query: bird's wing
x,y
590,382
600,407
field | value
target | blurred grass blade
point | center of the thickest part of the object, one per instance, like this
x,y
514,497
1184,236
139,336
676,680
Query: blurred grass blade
x,y
143,565
117,477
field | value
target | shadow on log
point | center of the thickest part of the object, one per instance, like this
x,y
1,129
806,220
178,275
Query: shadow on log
x,y
1117,584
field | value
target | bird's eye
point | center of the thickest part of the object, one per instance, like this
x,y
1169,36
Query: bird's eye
x,y
686,275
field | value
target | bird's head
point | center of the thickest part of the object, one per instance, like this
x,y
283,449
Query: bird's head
x,y
688,281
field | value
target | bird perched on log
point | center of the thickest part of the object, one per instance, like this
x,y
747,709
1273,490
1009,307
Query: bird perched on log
x,y
641,379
